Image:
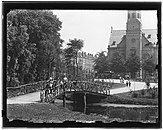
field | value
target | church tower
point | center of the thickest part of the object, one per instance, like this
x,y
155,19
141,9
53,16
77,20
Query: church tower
x,y
134,34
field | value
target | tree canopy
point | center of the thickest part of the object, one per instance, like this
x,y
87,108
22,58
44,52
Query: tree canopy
x,y
71,55
101,63
133,64
117,63
33,43
149,66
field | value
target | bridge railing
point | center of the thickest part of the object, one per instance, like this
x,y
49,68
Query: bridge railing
x,y
52,92
27,88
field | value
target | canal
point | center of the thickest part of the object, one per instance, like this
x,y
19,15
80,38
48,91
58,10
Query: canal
x,y
121,112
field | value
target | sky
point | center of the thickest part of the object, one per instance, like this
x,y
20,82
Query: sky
x,y
94,26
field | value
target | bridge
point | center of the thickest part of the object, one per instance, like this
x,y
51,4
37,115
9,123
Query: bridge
x,y
25,93
54,90
50,90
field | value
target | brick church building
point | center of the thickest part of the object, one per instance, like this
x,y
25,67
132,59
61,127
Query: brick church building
x,y
142,42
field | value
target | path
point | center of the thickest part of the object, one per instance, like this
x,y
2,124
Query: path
x,y
35,97
134,86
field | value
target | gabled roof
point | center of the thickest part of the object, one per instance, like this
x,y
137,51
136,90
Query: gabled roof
x,y
151,35
117,35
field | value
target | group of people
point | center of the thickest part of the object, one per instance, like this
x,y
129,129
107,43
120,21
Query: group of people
x,y
122,80
51,87
128,83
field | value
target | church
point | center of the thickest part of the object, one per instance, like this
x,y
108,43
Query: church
x,y
142,42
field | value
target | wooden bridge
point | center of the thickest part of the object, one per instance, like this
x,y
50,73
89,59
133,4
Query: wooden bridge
x,y
51,89
54,90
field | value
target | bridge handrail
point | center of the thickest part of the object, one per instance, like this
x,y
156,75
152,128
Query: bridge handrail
x,y
24,85
58,89
26,88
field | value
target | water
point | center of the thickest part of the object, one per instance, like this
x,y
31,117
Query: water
x,y
124,113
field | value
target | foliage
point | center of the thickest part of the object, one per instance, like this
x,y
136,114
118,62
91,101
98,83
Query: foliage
x,y
117,63
71,56
135,95
33,43
121,99
101,62
148,66
132,64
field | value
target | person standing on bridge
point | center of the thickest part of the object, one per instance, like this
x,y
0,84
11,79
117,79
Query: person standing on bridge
x,y
65,81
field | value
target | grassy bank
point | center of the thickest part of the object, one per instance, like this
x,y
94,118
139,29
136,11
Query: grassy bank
x,y
138,97
49,113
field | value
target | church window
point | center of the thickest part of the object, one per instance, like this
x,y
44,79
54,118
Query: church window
x,y
133,15
113,43
138,15
149,36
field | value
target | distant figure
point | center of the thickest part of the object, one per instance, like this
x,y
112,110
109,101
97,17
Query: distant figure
x,y
120,78
126,83
129,83
148,84
65,79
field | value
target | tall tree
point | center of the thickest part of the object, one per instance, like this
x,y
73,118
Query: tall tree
x,y
117,64
71,53
33,41
148,66
132,65
101,63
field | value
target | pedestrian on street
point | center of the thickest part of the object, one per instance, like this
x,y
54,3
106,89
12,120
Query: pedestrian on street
x,y
126,83
129,83
148,84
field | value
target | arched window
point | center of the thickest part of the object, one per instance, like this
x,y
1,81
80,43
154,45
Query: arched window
x,y
133,15
138,15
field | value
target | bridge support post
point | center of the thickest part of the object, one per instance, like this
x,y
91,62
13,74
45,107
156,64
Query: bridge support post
x,y
85,103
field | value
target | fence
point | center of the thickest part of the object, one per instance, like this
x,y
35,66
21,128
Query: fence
x,y
27,88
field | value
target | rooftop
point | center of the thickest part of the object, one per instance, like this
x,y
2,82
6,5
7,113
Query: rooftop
x,y
117,35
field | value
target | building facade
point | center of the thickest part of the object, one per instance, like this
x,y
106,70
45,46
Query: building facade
x,y
142,42
86,61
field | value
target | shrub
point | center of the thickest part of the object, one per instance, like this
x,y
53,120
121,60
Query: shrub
x,y
153,95
142,92
135,95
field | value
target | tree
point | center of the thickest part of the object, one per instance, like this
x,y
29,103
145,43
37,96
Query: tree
x,y
33,42
18,48
101,63
148,66
132,64
117,63
71,53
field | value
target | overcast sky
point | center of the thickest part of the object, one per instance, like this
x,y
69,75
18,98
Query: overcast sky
x,y
94,26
